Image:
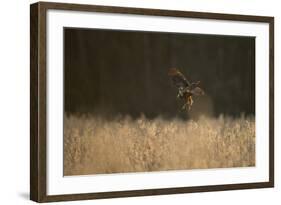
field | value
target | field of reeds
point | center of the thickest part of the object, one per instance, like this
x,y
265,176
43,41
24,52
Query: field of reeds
x,y
94,145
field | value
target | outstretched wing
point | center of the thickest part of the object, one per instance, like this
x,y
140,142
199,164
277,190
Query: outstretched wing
x,y
178,78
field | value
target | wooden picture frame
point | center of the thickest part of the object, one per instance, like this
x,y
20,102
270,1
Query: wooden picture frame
x,y
38,101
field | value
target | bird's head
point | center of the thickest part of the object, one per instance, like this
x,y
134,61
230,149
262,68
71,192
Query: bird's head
x,y
198,91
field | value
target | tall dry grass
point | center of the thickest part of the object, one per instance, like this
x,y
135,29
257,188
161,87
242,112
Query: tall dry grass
x,y
94,145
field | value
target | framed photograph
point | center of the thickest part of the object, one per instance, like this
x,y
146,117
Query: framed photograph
x,y
134,102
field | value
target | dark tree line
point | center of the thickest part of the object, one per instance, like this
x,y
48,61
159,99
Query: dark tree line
x,y
125,72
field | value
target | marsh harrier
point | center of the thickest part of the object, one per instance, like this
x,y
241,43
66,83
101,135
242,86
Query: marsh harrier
x,y
185,89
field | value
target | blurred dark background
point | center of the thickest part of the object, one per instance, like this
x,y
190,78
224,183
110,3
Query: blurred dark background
x,y
110,73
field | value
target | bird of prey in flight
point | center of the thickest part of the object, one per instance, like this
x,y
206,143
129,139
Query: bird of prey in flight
x,y
186,89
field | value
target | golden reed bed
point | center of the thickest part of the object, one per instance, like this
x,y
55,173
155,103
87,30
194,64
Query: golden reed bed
x,y
94,145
